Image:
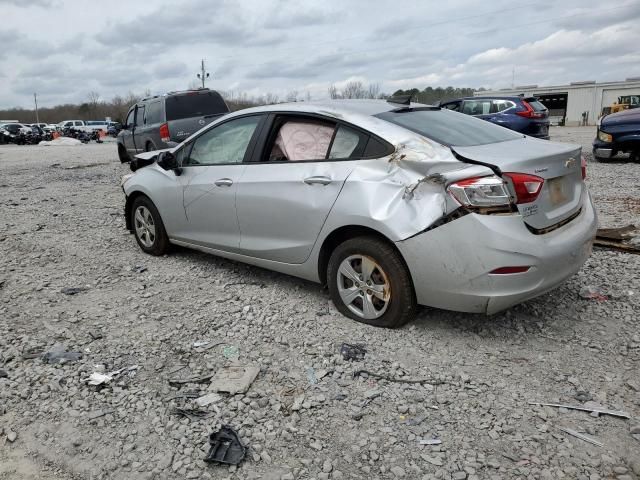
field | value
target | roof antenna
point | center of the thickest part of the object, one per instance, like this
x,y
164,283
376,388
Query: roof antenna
x,y
400,99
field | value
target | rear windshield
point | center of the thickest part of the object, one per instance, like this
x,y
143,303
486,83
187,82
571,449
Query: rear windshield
x,y
194,105
450,128
536,105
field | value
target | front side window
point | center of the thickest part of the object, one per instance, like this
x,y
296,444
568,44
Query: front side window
x,y
225,143
301,140
476,107
140,116
129,120
453,106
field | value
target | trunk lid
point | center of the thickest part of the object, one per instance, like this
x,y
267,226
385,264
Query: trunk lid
x,y
558,164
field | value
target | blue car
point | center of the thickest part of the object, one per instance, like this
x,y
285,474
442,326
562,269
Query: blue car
x,y
522,114
618,132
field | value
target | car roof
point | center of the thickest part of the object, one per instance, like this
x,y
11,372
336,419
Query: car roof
x,y
334,108
489,97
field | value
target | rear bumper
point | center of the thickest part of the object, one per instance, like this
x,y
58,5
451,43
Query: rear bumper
x,y
450,265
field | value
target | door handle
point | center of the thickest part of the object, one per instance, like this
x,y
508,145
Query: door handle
x,y
318,179
224,182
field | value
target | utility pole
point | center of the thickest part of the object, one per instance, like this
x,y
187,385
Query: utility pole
x,y
203,74
35,99
513,78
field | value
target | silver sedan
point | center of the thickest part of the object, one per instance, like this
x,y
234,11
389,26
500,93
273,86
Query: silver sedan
x,y
391,205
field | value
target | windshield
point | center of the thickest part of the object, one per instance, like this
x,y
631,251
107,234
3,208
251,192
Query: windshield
x,y
196,104
449,128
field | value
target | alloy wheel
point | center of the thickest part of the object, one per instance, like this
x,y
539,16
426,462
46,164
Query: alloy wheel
x,y
145,227
363,286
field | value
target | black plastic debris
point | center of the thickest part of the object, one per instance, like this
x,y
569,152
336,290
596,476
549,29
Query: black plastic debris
x,y
3,373
352,352
73,290
226,447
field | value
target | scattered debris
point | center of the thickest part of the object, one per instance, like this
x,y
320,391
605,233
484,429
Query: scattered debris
x,y
234,379
98,413
98,378
226,447
600,411
230,351
208,399
583,396
32,353
11,436
429,381
430,441
57,354
200,343
3,373
624,239
181,381
581,436
354,352
139,269
192,414
590,292
95,334
414,421
73,290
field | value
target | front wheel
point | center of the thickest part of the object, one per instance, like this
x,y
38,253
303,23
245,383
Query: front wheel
x,y
148,227
369,282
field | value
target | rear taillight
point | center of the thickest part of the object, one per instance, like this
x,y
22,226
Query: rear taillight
x,y
529,112
164,133
583,164
527,187
480,192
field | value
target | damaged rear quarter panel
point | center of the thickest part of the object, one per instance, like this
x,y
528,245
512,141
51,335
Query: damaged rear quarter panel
x,y
402,194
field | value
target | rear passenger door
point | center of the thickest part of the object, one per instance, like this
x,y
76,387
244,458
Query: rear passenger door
x,y
288,188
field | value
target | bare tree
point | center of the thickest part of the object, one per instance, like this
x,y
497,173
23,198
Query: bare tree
x,y
307,96
333,92
373,91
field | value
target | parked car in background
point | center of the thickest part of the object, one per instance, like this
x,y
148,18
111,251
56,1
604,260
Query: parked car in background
x,y
75,124
391,205
163,120
114,129
15,128
618,133
522,114
98,124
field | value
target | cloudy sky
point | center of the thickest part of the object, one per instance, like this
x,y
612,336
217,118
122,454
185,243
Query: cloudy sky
x,y
64,49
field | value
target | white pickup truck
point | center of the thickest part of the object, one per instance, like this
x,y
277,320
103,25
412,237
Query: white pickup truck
x,y
87,126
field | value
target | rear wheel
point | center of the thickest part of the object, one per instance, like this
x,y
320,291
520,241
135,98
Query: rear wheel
x,y
148,227
149,147
122,154
369,282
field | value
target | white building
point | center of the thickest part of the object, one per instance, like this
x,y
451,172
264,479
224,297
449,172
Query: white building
x,y
579,103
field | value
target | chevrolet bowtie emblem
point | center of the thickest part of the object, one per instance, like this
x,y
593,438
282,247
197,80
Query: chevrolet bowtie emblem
x,y
570,163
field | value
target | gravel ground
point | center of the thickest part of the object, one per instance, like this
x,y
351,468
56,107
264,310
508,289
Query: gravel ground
x,y
305,416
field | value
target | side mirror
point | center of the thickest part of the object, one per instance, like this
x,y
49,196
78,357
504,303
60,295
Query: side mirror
x,y
168,161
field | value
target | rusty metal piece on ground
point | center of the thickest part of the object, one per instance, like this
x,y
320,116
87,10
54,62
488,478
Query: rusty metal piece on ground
x,y
601,411
226,447
625,239
581,436
429,381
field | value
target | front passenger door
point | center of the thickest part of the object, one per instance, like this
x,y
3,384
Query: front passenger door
x,y
209,181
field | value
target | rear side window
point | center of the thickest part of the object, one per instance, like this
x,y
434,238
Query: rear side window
x,y
196,104
347,143
536,105
502,105
153,113
450,128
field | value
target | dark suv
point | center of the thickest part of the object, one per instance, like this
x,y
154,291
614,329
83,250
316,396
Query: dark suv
x,y
163,121
522,114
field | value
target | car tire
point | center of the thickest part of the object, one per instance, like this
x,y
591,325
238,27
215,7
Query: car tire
x,y
122,154
149,147
388,300
148,227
